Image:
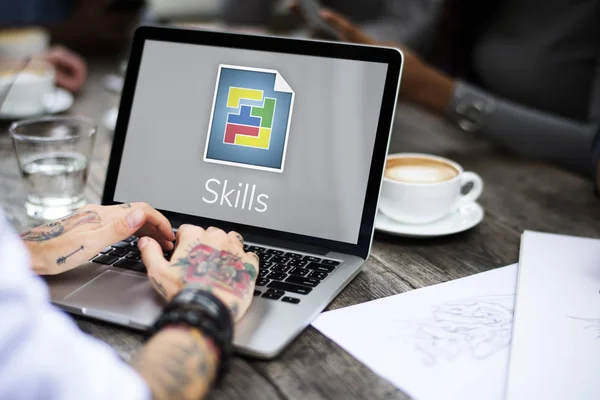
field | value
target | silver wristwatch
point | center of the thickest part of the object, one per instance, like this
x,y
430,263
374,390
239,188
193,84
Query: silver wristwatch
x,y
469,107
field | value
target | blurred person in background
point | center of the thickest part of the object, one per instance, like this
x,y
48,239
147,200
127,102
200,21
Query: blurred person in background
x,y
406,21
90,27
522,73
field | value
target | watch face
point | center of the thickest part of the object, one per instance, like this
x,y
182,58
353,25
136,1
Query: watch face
x,y
470,114
470,107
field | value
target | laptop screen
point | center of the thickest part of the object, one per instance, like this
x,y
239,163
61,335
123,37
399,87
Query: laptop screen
x,y
265,139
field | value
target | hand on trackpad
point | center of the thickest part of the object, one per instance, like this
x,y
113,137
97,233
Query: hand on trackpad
x,y
121,294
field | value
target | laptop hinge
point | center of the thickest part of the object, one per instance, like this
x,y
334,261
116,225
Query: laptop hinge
x,y
305,248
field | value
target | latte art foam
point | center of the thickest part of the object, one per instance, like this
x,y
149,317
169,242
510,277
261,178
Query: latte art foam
x,y
419,170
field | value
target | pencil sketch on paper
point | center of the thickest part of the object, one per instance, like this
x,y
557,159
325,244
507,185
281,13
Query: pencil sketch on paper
x,y
474,327
592,324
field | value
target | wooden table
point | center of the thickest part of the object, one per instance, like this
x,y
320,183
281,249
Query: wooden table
x,y
519,195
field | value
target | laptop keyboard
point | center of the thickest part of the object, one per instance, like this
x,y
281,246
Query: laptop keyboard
x,y
283,276
288,276
124,255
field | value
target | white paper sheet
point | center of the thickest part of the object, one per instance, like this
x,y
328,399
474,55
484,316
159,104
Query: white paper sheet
x,y
556,342
448,341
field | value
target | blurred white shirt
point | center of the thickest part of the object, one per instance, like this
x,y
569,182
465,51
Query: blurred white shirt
x,y
43,354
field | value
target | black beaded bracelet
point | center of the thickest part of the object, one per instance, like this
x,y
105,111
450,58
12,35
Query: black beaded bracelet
x,y
204,311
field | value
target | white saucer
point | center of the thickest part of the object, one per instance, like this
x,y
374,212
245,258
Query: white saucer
x,y
464,218
59,101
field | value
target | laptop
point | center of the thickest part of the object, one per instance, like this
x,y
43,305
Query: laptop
x,y
281,140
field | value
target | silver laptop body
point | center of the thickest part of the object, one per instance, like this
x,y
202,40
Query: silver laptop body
x,y
282,307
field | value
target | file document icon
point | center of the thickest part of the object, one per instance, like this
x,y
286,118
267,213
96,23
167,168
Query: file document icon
x,y
250,120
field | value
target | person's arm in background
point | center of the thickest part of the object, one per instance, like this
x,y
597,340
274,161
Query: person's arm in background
x,y
522,130
525,131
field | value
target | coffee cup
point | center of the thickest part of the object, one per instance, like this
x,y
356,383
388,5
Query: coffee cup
x,y
422,188
27,89
19,43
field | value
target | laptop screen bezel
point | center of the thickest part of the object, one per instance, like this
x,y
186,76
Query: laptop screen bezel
x,y
391,57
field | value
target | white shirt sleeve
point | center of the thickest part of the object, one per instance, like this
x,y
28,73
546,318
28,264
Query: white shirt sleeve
x,y
43,354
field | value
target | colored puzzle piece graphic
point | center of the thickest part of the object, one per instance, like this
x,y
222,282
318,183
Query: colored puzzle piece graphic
x,y
266,113
237,94
261,141
233,132
245,117
251,126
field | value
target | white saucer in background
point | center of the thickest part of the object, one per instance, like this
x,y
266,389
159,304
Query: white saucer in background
x,y
462,219
59,101
110,119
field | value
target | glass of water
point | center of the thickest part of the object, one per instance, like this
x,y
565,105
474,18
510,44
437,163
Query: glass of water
x,y
54,155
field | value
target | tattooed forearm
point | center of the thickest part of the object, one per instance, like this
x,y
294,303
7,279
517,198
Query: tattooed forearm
x,y
178,363
206,265
55,229
62,260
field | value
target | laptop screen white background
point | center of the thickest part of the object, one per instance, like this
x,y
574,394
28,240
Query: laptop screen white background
x,y
322,188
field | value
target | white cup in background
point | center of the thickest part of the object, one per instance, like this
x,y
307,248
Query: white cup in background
x,y
32,85
422,188
23,42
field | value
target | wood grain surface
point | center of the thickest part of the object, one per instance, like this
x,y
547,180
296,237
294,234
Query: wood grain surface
x,y
518,195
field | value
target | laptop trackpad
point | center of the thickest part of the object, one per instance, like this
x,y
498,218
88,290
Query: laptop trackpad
x,y
118,297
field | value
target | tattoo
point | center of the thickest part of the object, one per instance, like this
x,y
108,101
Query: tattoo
x,y
62,260
55,229
241,239
178,369
221,269
126,205
161,288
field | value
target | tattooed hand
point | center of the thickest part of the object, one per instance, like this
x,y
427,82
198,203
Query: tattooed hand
x,y
62,245
209,259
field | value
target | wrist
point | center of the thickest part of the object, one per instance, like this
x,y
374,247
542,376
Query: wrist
x,y
178,362
469,108
201,310
39,263
205,342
